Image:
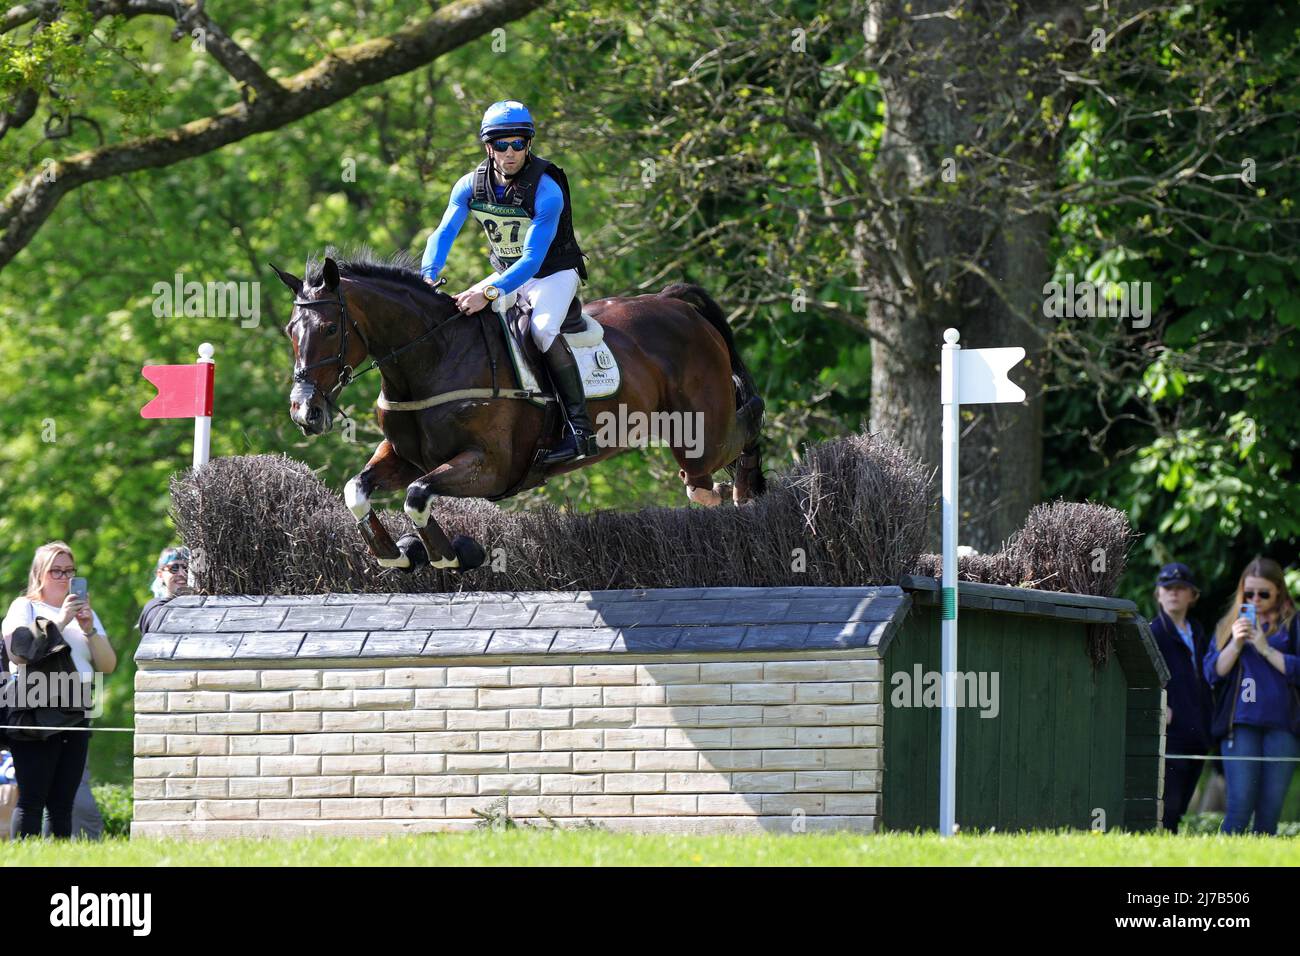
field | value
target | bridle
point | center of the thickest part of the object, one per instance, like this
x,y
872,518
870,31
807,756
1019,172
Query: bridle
x,y
346,373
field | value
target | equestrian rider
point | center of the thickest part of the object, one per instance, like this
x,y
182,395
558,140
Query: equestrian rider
x,y
522,202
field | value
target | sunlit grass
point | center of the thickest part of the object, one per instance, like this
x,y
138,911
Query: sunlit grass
x,y
597,848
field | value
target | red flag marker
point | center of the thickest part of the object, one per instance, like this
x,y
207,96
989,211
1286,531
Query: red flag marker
x,y
185,391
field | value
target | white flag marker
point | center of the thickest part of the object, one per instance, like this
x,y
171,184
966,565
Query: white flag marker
x,y
969,377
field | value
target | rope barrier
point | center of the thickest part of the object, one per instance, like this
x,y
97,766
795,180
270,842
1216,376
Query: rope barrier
x,y
1215,757
120,730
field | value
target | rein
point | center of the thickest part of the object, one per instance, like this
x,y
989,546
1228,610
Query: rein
x,y
347,376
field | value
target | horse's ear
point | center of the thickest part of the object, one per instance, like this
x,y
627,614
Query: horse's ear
x,y
292,281
331,274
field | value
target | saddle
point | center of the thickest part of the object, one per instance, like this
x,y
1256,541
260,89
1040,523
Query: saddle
x,y
586,337
596,362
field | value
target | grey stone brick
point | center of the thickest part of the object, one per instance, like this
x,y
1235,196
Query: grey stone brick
x,y
270,646
456,643
442,616
256,618
520,641
696,612
316,618
156,647
753,610
503,615
710,638
332,644
207,647
564,615
357,599
583,639
407,644
642,639
372,618
782,636
187,620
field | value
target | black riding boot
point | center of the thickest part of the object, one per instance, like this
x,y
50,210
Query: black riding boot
x,y
579,441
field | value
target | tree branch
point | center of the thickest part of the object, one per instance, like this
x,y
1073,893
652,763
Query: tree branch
x,y
337,76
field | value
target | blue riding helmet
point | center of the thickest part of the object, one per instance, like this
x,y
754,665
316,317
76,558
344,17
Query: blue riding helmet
x,y
504,118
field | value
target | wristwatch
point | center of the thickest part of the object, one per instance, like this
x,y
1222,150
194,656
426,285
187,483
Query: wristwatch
x,y
491,293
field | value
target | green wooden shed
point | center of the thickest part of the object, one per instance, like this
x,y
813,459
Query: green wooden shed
x,y
1070,744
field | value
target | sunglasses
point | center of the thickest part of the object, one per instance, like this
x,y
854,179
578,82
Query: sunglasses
x,y
1262,595
501,145
63,572
177,568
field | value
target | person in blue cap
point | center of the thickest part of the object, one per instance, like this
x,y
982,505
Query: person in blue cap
x,y
522,202
1189,703
170,578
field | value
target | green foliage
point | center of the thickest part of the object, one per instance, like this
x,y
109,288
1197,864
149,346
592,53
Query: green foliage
x,y
1190,426
115,806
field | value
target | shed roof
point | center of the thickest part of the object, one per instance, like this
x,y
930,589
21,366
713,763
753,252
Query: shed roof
x,y
471,624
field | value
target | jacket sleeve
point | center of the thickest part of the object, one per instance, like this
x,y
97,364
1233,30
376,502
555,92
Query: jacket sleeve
x,y
439,245
1293,659
20,614
1211,658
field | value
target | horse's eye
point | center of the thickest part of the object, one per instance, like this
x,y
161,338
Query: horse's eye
x,y
331,329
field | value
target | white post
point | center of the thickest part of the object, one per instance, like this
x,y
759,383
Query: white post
x,y
949,396
203,423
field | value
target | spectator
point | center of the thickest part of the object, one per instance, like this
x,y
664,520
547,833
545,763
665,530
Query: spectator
x,y
1184,643
1254,671
171,578
51,772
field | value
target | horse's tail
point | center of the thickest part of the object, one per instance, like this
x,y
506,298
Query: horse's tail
x,y
749,404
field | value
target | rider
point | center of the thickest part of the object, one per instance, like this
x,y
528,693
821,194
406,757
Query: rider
x,y
511,189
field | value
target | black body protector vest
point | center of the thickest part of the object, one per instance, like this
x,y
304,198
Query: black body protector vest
x,y
506,222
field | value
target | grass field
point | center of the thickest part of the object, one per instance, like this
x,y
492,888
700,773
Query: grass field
x,y
595,848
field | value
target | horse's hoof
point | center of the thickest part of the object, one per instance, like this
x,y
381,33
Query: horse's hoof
x,y
413,548
469,551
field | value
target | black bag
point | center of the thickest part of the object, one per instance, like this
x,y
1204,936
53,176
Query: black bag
x,y
47,655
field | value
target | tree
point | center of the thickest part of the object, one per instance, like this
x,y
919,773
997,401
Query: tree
x,y
899,167
54,51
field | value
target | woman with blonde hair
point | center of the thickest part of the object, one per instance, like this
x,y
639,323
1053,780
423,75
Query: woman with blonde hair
x,y
49,771
1255,671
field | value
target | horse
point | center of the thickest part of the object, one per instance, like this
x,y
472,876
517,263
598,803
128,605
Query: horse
x,y
452,428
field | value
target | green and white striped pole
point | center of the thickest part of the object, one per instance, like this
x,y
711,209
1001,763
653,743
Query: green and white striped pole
x,y
970,377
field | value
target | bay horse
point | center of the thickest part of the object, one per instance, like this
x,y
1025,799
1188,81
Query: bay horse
x,y
474,437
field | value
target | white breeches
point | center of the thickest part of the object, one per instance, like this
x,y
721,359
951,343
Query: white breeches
x,y
549,299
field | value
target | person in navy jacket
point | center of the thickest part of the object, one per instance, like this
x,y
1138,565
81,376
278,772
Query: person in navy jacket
x,y
1189,704
1255,672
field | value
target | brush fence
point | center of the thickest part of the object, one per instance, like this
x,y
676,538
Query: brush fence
x,y
674,710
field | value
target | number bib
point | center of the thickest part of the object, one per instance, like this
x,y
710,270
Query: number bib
x,y
505,227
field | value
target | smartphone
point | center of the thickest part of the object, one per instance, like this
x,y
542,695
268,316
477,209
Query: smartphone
x,y
79,588
1248,611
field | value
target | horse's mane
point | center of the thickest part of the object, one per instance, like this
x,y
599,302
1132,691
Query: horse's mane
x,y
362,262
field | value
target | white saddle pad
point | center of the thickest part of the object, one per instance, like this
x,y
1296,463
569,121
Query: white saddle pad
x,y
596,362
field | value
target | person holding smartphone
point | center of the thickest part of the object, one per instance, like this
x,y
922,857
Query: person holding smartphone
x,y
49,772
1254,667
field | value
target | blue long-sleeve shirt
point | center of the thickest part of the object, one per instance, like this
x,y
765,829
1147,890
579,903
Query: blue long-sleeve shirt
x,y
548,204
1271,703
